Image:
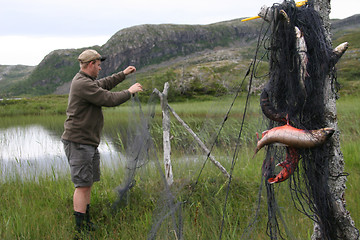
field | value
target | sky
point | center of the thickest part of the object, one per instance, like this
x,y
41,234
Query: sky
x,y
31,29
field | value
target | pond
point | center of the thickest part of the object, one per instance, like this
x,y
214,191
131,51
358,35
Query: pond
x,y
30,146
33,150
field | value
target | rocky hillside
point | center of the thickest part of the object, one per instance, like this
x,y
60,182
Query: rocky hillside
x,y
347,23
150,44
11,74
196,59
139,46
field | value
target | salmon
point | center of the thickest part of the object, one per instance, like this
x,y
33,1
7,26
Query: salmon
x,y
294,137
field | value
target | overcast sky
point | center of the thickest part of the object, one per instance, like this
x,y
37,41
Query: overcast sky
x,y
30,29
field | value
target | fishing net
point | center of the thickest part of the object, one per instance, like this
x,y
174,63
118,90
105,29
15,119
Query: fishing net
x,y
140,149
141,153
296,90
293,92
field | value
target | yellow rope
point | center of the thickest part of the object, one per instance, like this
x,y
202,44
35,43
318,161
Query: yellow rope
x,y
298,4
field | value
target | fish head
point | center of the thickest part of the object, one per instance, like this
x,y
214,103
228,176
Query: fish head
x,y
328,132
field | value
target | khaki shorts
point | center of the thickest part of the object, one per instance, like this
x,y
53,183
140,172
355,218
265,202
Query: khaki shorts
x,y
84,161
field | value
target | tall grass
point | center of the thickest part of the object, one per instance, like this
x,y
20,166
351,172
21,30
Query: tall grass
x,y
351,153
42,208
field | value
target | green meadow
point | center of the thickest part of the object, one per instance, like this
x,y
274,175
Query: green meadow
x,y
41,208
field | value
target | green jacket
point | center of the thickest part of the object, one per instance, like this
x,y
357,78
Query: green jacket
x,y
87,95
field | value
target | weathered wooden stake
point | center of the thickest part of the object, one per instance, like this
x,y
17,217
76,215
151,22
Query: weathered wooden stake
x,y
166,136
166,133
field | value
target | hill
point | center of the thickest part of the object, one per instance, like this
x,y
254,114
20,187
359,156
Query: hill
x,y
196,59
11,74
348,71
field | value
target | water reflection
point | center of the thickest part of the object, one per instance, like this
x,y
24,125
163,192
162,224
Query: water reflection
x,y
32,151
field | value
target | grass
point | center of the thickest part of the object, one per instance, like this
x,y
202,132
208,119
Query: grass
x,y
352,157
41,208
44,105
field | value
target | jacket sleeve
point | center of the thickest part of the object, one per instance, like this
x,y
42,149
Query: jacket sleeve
x,y
110,82
91,92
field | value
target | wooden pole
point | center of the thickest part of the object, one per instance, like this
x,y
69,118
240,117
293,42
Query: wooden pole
x,y
166,133
344,224
166,136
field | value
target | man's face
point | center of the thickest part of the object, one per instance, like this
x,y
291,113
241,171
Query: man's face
x,y
95,68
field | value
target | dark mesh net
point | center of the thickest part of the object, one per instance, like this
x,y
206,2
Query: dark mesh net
x,y
294,90
300,96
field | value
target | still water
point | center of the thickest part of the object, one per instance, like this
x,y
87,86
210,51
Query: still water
x,y
30,151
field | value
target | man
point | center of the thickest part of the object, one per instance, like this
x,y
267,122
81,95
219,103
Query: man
x,y
83,127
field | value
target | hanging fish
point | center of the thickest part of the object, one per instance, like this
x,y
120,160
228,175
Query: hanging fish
x,y
289,166
339,51
268,108
302,52
294,137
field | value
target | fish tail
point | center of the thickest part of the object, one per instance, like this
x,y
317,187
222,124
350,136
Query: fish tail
x,y
271,180
282,176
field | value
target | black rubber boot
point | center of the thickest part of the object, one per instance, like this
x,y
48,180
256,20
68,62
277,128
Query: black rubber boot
x,y
79,225
89,225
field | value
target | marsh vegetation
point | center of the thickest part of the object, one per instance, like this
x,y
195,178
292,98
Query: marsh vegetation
x,y
37,204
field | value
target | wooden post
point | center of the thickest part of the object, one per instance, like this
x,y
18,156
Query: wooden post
x,y
345,225
166,133
166,136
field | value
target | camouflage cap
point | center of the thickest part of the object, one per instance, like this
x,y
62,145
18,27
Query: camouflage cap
x,y
90,55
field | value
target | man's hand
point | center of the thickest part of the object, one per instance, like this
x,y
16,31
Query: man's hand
x,y
129,69
135,88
